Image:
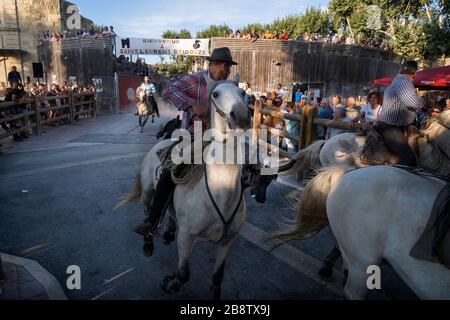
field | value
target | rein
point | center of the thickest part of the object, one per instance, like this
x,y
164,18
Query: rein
x,y
226,224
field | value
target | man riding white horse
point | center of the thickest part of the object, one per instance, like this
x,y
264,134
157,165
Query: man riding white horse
x,y
145,86
400,106
189,94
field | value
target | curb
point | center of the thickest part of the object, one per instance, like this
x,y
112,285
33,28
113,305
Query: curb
x,y
45,278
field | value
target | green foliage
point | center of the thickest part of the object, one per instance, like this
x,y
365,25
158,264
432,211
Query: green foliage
x,y
416,29
256,27
170,34
214,31
181,64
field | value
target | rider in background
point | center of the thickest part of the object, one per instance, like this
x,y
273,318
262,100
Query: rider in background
x,y
140,92
401,103
189,95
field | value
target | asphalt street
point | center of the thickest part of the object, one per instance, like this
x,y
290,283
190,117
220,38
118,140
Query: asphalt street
x,y
58,192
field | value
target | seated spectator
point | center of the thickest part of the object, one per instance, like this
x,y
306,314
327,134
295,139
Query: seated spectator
x,y
279,124
254,36
280,91
370,111
337,102
292,127
447,105
324,112
238,34
298,97
352,109
284,35
339,115
274,99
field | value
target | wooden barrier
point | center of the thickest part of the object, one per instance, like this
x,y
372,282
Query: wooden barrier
x,y
307,122
36,117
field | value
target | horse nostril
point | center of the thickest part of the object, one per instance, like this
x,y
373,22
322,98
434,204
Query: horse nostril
x,y
232,115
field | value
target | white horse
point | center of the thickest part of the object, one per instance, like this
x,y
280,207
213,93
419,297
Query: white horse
x,y
345,149
375,213
199,204
147,107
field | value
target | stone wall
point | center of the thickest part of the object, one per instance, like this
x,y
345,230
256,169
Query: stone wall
x,y
21,28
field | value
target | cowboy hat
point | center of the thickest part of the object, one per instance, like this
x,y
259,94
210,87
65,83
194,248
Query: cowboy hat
x,y
221,54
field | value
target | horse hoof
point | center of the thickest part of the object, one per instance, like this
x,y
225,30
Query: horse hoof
x,y
171,284
168,237
326,273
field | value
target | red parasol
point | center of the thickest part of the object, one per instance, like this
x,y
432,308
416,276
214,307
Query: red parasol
x,y
383,81
433,78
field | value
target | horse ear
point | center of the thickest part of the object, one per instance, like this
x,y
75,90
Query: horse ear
x,y
210,85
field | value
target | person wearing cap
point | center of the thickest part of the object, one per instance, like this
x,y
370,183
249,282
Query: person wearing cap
x,y
189,95
401,104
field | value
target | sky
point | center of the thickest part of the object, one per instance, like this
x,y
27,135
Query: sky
x,y
149,18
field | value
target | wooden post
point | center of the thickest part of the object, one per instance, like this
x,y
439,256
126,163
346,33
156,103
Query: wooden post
x,y
310,128
256,121
94,105
303,125
38,116
71,109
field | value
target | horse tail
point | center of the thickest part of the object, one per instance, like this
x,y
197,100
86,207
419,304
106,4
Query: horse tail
x,y
132,197
312,214
307,158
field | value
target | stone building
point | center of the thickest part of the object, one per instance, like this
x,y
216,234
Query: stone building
x,y
22,24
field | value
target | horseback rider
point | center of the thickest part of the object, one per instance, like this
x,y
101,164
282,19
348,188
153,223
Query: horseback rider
x,y
145,86
401,103
188,95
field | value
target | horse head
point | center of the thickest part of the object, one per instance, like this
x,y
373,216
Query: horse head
x,y
228,108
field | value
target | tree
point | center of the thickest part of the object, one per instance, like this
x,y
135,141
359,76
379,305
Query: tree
x,y
181,64
214,31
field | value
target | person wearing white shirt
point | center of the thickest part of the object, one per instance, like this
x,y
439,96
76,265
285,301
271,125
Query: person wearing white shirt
x,y
371,111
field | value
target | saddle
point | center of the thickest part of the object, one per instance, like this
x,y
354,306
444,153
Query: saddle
x,y
434,244
375,152
181,173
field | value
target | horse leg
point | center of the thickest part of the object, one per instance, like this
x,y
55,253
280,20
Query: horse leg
x,y
356,275
173,284
169,235
219,268
326,272
140,124
143,125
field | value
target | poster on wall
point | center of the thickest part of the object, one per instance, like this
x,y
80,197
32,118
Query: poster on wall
x,y
185,47
98,82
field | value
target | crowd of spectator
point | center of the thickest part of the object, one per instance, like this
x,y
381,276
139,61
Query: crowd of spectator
x,y
23,95
362,110
92,33
306,37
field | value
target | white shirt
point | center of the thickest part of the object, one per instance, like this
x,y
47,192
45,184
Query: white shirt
x,y
370,115
144,87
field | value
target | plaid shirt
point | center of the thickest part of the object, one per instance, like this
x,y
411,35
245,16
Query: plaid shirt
x,y
400,103
184,92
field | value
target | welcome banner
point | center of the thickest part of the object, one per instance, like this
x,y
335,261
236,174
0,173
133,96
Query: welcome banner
x,y
185,47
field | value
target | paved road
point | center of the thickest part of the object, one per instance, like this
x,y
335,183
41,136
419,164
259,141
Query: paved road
x,y
58,192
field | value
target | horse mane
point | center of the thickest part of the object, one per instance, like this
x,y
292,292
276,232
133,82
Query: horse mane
x,y
444,118
436,122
